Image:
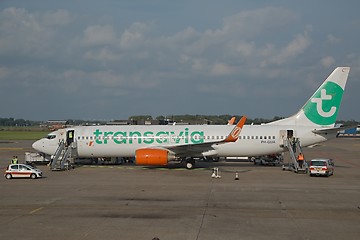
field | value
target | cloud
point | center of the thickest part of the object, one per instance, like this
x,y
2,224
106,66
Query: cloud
x,y
133,35
257,22
285,54
104,54
4,72
59,17
80,55
332,39
327,61
98,35
30,33
222,51
221,69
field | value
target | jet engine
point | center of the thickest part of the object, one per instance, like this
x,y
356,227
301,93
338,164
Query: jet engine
x,y
153,156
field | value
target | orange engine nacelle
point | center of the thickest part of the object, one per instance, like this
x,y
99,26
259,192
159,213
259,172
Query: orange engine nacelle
x,y
152,156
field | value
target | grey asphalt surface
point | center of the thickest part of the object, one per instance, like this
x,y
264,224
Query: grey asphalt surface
x,y
133,202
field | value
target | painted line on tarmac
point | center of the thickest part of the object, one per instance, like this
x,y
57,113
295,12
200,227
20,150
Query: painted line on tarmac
x,y
36,210
9,148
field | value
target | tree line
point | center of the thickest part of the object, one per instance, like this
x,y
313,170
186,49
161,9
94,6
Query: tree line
x,y
10,122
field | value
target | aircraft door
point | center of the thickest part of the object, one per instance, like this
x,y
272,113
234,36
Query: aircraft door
x,y
286,134
290,133
70,137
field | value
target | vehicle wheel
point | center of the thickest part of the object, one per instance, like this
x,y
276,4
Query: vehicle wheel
x,y
189,165
8,176
33,176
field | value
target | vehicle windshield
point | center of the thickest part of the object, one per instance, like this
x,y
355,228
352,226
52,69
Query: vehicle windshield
x,y
318,163
32,167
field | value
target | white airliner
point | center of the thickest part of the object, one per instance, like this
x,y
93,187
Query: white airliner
x,y
160,144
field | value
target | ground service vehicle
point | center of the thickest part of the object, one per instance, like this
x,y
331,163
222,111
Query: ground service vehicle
x,y
324,167
22,171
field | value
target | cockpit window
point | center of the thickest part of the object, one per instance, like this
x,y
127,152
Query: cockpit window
x,y
50,136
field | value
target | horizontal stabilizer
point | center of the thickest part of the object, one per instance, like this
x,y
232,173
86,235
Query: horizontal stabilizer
x,y
332,130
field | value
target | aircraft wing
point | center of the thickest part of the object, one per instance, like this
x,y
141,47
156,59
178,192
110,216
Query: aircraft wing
x,y
198,149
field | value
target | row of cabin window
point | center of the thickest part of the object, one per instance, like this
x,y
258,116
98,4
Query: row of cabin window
x,y
195,137
256,137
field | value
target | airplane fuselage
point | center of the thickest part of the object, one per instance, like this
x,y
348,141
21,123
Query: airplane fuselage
x,y
123,141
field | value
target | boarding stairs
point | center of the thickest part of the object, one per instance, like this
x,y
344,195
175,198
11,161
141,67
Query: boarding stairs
x,y
63,157
295,149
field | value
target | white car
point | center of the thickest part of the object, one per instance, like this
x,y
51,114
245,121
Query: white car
x,y
22,171
321,166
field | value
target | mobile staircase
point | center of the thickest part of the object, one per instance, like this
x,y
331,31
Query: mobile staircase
x,y
63,157
294,147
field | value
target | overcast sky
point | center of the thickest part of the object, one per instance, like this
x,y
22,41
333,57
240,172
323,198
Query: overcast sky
x,y
110,59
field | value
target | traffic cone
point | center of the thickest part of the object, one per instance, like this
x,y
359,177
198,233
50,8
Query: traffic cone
x,y
236,176
213,175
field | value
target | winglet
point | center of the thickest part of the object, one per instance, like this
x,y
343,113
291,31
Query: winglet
x,y
234,134
231,121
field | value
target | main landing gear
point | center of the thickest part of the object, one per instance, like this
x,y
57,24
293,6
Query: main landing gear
x,y
189,163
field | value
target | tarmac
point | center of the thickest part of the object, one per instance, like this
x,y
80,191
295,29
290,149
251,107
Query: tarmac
x,y
134,202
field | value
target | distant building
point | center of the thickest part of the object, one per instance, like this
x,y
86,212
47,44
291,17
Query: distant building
x,y
56,124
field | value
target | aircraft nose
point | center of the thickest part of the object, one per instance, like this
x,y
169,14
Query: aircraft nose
x,y
38,145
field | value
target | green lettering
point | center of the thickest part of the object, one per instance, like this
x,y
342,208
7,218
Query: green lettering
x,y
186,135
136,134
199,139
162,137
106,134
148,137
178,138
122,137
97,134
